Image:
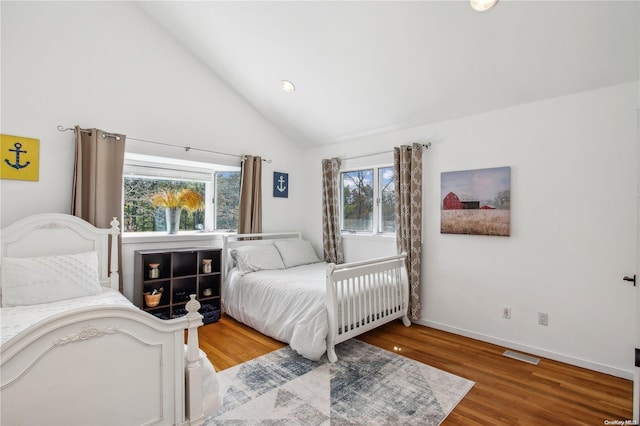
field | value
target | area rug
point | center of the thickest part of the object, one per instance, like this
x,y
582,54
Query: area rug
x,y
366,386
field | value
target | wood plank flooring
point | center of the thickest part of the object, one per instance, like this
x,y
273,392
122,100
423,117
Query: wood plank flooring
x,y
507,391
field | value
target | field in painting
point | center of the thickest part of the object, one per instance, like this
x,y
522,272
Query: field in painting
x,y
476,222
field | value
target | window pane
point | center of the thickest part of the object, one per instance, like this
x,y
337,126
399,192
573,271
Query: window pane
x,y
357,200
227,199
388,200
141,216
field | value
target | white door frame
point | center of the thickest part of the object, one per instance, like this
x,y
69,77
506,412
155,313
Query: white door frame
x,y
636,370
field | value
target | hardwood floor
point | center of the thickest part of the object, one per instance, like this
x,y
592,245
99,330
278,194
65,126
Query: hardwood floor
x,y
507,391
228,343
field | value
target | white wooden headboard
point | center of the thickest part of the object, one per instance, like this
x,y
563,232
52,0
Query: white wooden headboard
x,y
50,234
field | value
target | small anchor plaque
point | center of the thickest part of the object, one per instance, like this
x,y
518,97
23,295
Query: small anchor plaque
x,y
280,185
20,158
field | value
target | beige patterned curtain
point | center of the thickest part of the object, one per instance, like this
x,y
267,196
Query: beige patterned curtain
x,y
331,238
407,165
250,215
97,179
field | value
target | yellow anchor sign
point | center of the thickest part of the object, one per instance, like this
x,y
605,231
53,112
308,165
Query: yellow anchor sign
x,y
19,158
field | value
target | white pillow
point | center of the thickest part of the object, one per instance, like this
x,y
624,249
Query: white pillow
x,y
296,252
257,258
33,280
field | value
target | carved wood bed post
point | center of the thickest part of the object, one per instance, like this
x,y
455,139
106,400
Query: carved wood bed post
x,y
114,274
193,369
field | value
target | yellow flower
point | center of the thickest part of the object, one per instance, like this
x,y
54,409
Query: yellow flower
x,y
184,198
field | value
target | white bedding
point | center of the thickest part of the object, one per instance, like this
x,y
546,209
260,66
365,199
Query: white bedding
x,y
18,318
14,320
288,305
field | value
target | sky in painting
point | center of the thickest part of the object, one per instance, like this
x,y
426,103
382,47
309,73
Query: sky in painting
x,y
481,184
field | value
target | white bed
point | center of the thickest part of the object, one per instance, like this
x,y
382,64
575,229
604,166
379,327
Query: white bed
x,y
76,351
276,284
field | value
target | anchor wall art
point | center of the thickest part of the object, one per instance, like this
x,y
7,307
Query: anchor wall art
x,y
20,158
281,185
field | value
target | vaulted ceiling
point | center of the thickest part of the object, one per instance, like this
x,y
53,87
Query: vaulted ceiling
x,y
365,67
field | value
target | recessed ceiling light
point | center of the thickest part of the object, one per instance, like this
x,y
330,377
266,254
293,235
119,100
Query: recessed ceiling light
x,y
482,5
287,86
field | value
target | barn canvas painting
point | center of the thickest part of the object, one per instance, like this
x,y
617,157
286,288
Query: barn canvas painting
x,y
476,202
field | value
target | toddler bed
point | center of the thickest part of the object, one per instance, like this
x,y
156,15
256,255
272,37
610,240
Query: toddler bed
x,y
276,284
74,350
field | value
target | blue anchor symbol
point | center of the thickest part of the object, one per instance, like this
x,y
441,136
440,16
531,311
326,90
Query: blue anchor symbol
x,y
18,151
281,186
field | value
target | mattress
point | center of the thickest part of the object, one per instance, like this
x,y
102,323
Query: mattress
x,y
18,318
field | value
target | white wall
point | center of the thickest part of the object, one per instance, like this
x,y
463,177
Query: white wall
x,y
107,65
573,226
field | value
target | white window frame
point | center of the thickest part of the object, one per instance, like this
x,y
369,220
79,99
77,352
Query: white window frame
x,y
377,200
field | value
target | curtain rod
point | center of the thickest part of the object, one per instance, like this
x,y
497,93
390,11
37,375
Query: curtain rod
x,y
186,148
104,134
424,145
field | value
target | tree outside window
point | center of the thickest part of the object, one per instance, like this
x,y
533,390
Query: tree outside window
x,y
141,216
227,200
388,200
368,200
357,200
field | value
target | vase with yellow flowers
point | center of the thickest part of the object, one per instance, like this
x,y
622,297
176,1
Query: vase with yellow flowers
x,y
174,200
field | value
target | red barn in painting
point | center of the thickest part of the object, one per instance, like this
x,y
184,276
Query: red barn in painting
x,y
463,202
451,202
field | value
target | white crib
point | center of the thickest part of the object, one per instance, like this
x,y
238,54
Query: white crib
x,y
364,295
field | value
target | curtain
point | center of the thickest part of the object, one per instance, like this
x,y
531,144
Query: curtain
x,y
407,165
331,238
97,180
250,216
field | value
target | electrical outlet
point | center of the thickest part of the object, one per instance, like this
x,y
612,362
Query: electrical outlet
x,y
543,318
506,312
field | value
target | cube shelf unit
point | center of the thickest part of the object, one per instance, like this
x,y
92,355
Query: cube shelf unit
x,y
180,274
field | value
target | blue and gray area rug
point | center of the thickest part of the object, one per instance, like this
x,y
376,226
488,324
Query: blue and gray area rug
x,y
367,386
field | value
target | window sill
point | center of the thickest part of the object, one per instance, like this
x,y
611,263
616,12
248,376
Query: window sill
x,y
366,236
158,237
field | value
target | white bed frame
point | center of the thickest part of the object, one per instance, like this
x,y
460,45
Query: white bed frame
x,y
360,295
108,365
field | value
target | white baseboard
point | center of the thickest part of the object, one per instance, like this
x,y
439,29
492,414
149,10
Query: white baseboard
x,y
606,369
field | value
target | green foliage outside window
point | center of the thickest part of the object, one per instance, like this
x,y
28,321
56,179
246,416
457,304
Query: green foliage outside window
x,y
141,216
227,200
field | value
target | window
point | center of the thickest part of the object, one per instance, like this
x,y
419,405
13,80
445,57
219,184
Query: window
x,y
387,199
218,185
368,200
227,199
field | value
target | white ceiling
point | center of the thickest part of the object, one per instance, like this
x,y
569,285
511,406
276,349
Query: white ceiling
x,y
366,67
